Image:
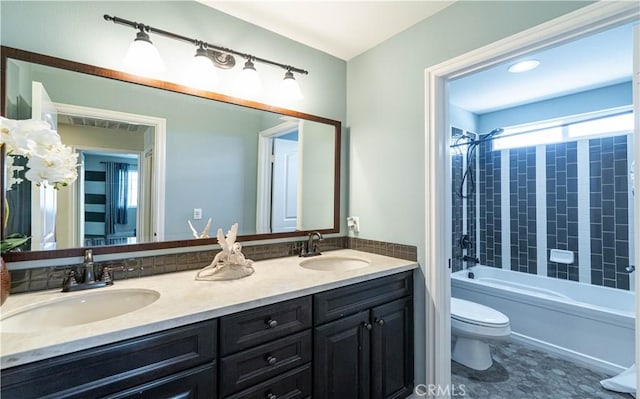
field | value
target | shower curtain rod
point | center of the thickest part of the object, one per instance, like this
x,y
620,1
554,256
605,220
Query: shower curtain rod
x,y
490,138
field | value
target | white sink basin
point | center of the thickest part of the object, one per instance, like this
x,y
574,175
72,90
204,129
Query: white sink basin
x,y
76,309
334,263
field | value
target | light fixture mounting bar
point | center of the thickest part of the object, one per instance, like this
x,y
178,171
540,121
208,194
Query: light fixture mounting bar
x,y
197,42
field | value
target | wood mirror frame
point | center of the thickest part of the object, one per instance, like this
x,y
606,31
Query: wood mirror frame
x,y
22,55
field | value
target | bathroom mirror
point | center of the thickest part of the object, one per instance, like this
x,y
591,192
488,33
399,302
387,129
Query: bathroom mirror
x,y
190,156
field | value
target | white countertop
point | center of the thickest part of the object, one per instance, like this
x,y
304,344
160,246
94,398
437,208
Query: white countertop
x,y
183,300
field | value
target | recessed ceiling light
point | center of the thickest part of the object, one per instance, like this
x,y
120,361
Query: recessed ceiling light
x,y
524,66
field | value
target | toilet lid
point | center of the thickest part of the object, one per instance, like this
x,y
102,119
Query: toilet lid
x,y
475,313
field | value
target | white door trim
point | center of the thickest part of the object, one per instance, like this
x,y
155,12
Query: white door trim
x,y
265,152
636,199
585,21
159,153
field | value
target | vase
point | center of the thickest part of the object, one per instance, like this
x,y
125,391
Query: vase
x,y
5,282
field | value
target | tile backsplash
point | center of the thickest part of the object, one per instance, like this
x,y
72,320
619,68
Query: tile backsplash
x,y
51,277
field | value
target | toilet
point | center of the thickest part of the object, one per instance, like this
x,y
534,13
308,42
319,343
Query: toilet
x,y
474,325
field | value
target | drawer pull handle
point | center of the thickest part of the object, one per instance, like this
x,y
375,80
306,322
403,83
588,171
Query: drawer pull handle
x,y
271,360
272,323
380,322
272,396
367,325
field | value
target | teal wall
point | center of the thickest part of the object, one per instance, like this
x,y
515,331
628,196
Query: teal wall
x,y
76,30
386,117
587,101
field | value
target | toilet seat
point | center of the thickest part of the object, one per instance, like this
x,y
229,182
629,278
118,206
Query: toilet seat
x,y
474,325
477,314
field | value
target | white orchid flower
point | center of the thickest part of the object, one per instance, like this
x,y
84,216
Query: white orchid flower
x,y
49,161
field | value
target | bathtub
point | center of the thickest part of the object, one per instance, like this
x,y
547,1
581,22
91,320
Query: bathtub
x,y
589,324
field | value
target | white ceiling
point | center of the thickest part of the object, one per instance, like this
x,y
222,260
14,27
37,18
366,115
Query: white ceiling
x,y
343,29
595,61
350,27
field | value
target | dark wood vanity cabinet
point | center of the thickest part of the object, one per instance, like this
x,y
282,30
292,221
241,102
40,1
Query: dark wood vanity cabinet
x,y
350,342
364,347
178,363
266,352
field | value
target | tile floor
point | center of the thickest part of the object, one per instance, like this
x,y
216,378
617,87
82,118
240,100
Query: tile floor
x,y
520,372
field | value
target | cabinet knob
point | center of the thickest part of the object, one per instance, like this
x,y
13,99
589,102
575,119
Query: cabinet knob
x,y
367,325
272,323
271,360
272,396
380,322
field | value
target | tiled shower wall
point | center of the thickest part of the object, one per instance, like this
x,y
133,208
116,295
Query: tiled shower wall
x,y
522,210
609,211
465,203
490,212
561,163
604,167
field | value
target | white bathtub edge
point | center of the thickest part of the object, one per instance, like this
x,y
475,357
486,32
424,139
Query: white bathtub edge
x,y
586,361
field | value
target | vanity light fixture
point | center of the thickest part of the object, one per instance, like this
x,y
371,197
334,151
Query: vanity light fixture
x,y
523,66
143,58
202,72
290,88
249,83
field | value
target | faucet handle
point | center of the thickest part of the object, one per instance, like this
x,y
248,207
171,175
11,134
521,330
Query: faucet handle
x,y
106,276
69,281
107,272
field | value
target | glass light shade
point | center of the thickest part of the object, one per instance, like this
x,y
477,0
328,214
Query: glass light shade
x,y
290,89
249,83
524,66
142,57
202,73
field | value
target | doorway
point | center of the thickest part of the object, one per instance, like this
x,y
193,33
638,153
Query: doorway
x,y
132,147
278,177
438,240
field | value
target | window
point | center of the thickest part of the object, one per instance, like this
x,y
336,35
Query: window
x,y
513,140
621,124
605,123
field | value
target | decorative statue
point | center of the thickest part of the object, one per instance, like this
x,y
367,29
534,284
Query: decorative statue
x,y
205,231
229,263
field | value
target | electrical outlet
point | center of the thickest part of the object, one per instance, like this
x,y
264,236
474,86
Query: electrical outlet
x,y
353,223
197,213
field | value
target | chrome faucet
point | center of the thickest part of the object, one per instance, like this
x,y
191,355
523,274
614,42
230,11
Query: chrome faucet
x,y
86,279
630,269
312,247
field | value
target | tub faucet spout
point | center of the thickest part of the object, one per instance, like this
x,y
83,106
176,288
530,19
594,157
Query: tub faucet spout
x,y
630,269
471,259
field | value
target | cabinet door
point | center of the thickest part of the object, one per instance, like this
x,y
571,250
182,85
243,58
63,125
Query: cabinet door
x,y
294,384
341,358
198,383
392,349
252,366
246,329
101,371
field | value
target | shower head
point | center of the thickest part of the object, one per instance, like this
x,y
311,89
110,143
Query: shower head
x,y
495,131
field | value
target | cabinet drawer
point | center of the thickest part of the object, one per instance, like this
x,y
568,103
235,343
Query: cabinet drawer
x,y
249,367
294,384
198,383
340,302
115,367
256,326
